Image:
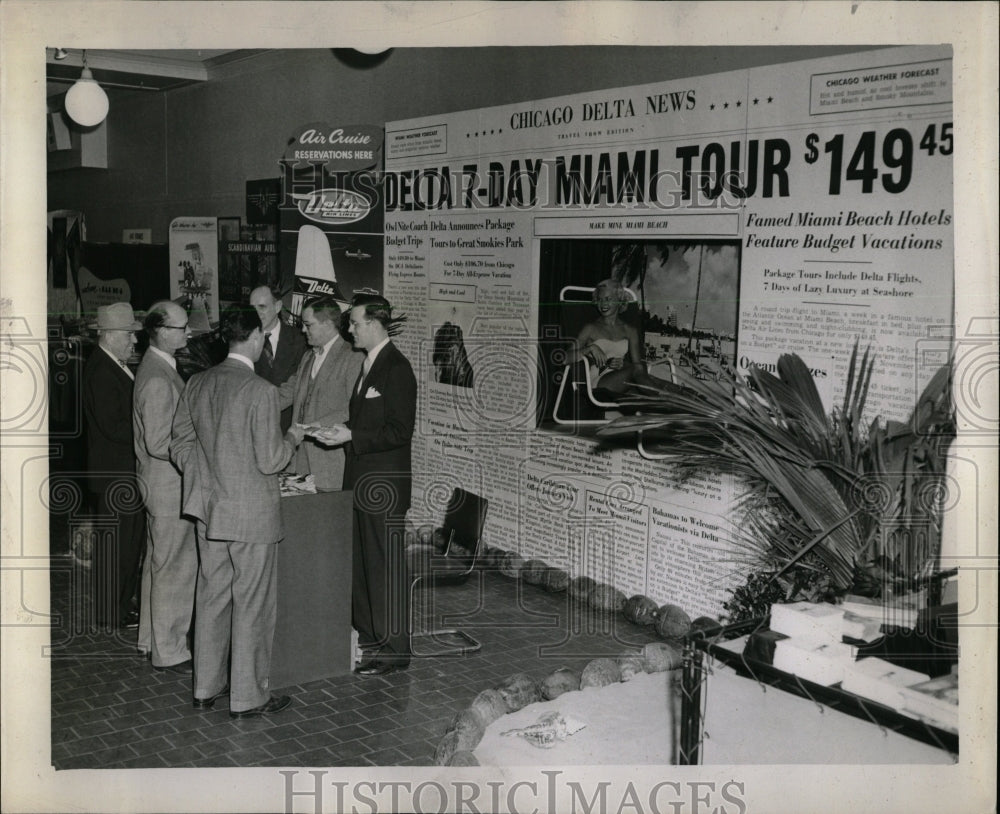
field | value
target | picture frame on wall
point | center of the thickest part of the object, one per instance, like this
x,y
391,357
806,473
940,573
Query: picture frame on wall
x,y
229,229
229,267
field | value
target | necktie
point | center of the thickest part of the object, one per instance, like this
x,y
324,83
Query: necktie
x,y
313,368
268,352
365,367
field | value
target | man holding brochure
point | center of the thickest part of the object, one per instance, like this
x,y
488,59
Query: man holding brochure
x,y
378,434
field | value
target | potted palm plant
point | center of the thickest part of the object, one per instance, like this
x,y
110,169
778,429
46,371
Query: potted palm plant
x,y
829,504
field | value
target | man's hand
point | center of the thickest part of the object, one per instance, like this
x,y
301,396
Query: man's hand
x,y
296,432
331,436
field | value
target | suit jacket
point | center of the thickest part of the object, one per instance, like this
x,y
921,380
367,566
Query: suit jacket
x,y
228,445
291,347
157,390
328,405
107,409
382,417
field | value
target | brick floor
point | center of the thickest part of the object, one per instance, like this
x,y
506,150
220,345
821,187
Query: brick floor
x,y
110,709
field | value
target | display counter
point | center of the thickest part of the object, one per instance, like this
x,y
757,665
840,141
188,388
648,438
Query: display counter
x,y
312,636
799,721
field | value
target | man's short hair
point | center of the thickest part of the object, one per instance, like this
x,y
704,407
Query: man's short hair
x,y
376,307
156,317
324,309
237,322
274,290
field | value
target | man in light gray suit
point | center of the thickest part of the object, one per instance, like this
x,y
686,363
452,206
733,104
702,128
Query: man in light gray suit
x,y
227,442
320,390
171,564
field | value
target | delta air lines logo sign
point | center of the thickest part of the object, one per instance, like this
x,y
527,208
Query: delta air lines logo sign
x,y
333,206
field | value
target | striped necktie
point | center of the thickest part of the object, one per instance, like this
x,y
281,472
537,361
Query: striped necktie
x,y
268,353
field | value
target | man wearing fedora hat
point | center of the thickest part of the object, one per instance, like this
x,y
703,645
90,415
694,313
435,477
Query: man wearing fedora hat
x,y
107,409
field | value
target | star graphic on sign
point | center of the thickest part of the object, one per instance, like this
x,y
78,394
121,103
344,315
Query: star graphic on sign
x,y
755,101
712,106
738,103
725,104
770,99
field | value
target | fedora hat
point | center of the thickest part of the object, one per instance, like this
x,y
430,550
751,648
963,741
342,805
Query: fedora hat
x,y
116,317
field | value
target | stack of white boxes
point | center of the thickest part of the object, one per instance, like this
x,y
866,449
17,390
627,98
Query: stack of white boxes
x,y
815,651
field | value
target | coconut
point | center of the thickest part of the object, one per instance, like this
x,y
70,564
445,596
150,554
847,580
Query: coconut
x,y
706,624
489,706
518,691
555,579
492,557
532,571
446,747
629,666
606,598
658,657
580,587
439,539
418,558
600,673
512,565
562,680
640,610
673,622
470,728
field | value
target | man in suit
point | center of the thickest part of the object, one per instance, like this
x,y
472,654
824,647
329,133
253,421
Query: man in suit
x,y
320,391
228,444
107,410
283,344
171,564
378,434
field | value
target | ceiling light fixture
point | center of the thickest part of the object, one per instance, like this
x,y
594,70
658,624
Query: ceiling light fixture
x,y
60,54
86,102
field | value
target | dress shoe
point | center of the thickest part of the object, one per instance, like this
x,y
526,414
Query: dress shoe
x,y
184,668
275,704
208,703
131,620
380,668
365,665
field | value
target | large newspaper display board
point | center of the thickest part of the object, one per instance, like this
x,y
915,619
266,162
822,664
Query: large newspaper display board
x,y
792,208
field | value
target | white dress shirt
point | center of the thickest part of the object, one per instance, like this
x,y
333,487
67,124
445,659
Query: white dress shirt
x,y
321,354
119,362
170,360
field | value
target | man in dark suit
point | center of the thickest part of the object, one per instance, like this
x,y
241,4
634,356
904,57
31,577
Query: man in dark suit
x,y
378,434
284,346
320,391
228,445
107,410
171,564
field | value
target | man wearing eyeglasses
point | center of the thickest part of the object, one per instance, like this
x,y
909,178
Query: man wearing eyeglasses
x,y
171,565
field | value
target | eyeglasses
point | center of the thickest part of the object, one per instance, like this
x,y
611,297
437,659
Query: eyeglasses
x,y
176,327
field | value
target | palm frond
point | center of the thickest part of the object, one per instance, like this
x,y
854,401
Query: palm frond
x,y
807,475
